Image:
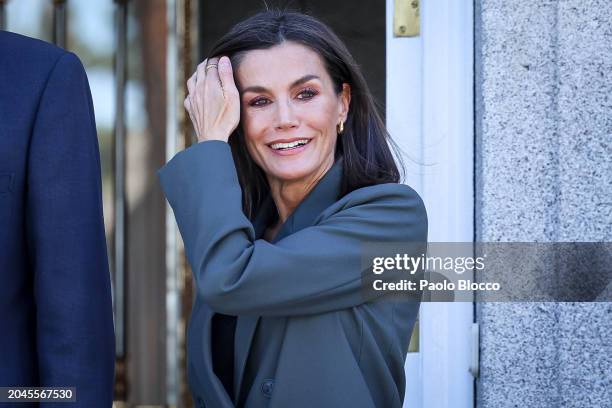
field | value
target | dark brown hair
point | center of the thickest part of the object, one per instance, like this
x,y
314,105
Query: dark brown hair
x,y
363,144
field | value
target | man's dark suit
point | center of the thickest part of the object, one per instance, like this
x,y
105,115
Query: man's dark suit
x,y
55,298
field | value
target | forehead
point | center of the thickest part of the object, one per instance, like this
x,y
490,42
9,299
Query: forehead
x,y
280,65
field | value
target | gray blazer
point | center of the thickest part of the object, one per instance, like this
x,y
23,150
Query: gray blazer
x,y
305,336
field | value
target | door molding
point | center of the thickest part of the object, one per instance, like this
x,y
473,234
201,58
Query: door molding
x,y
430,113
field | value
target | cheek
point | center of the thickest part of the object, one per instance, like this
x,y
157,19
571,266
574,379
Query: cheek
x,y
322,116
332,140
251,145
253,126
252,133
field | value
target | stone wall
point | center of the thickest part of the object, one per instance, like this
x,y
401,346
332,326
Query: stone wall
x,y
544,173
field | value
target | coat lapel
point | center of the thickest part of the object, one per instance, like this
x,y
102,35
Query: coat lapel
x,y
324,194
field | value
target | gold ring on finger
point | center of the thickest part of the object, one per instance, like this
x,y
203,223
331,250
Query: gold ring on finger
x,y
209,66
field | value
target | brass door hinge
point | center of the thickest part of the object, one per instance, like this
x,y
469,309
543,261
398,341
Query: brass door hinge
x,y
406,18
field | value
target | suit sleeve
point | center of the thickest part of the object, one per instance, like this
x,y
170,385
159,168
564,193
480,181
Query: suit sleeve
x,y
66,240
315,270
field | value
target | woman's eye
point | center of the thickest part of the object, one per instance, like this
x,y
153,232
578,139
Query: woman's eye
x,y
307,94
258,102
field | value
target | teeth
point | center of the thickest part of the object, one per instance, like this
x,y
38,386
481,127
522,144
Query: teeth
x,y
277,146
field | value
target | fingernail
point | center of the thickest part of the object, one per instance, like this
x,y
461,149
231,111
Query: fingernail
x,y
224,61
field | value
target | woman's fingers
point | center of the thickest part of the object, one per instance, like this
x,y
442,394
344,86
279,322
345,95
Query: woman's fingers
x,y
213,102
212,73
191,82
226,76
188,108
203,73
187,105
230,94
200,74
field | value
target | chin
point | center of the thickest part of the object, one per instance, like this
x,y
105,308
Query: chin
x,y
291,172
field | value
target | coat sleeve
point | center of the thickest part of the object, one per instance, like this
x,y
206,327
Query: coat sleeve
x,y
66,241
314,270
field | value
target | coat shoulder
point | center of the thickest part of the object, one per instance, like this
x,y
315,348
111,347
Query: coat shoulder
x,y
387,193
397,209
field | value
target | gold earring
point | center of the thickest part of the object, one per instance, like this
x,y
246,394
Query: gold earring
x,y
340,127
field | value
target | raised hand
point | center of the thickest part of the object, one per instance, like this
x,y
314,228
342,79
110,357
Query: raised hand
x,y
213,101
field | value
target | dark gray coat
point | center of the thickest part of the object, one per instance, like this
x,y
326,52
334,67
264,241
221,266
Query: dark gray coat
x,y
307,333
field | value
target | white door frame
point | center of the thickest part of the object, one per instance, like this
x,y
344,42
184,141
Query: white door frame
x,y
430,115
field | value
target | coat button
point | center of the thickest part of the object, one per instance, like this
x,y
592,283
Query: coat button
x,y
266,387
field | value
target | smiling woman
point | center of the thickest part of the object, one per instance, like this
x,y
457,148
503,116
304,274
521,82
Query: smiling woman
x,y
290,118
292,175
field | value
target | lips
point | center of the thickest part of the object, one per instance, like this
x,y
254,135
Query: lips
x,y
289,146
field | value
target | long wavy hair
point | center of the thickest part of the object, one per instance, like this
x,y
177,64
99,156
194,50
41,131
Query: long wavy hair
x,y
365,142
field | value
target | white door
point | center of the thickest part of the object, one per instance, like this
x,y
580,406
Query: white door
x,y
430,114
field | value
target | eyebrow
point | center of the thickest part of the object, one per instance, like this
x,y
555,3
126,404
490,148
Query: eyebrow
x,y
295,83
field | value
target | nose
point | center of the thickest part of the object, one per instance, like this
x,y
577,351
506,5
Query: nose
x,y
285,115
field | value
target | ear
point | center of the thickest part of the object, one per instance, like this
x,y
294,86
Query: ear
x,y
345,101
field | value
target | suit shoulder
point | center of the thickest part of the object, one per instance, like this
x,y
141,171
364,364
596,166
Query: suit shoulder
x,y
69,66
26,65
32,61
19,48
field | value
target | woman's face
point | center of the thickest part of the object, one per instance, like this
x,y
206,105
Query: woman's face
x,y
289,111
